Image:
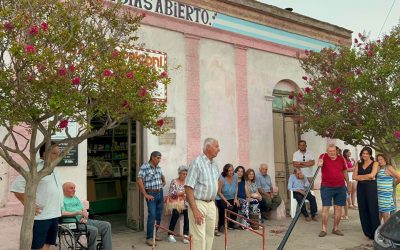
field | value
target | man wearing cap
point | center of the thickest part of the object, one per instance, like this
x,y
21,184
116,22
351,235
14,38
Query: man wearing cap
x,y
151,181
201,188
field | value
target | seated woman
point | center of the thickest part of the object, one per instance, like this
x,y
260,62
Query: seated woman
x,y
227,196
176,204
254,196
242,195
384,178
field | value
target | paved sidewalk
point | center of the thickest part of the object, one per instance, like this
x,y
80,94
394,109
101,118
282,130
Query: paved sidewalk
x,y
304,236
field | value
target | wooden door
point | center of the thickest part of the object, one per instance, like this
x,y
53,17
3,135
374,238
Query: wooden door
x,y
285,144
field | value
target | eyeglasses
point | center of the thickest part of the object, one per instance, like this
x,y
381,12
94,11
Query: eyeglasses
x,y
304,158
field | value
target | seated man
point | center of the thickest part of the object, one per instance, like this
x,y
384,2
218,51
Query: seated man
x,y
270,198
298,184
74,207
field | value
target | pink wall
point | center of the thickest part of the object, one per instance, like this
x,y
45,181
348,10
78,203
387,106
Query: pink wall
x,y
192,96
242,105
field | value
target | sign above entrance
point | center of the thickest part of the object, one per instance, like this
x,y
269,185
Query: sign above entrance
x,y
174,9
158,60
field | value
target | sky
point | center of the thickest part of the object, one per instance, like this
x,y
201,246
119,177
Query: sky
x,y
355,15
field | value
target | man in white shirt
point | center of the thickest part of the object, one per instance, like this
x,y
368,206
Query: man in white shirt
x,y
49,199
303,159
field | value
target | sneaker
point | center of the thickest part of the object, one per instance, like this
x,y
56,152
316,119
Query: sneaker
x,y
185,239
171,238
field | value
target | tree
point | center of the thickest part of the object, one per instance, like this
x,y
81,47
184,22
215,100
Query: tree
x,y
64,61
353,93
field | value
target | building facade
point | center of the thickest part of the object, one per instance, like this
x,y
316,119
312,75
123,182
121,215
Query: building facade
x,y
232,63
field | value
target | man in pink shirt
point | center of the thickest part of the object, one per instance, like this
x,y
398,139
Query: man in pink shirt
x,y
334,174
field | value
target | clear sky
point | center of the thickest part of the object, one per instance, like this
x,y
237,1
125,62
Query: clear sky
x,y
355,15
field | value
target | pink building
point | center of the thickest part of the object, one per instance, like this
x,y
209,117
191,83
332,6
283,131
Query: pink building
x,y
233,64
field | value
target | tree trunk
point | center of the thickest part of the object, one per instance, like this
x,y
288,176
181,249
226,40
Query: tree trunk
x,y
25,240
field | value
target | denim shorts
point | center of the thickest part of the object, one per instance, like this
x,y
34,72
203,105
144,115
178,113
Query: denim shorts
x,y
338,194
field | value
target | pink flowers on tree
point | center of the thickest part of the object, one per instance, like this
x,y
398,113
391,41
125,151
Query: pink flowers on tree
x,y
30,49
63,124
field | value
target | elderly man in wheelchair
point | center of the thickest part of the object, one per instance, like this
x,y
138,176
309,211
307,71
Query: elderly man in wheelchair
x,y
74,211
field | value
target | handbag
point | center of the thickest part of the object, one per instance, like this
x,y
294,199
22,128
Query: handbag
x,y
171,203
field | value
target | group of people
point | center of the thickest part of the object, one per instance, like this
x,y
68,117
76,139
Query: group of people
x,y
200,192
55,199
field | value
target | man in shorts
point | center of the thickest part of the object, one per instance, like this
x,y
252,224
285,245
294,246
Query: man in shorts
x,y
49,198
334,174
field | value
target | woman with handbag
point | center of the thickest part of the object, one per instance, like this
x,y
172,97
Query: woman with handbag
x,y
175,204
255,196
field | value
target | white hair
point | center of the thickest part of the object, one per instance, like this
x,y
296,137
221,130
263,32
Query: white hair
x,y
208,141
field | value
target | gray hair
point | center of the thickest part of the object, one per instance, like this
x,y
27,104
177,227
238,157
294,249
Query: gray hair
x,y
182,168
208,141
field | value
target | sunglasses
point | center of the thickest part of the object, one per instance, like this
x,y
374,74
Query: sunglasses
x,y
304,158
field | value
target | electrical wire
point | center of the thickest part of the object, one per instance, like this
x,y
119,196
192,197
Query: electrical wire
x,y
387,16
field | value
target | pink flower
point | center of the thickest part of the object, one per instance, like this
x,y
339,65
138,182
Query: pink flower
x,y
30,49
71,68
8,26
115,53
143,91
44,26
308,90
125,104
307,52
143,15
76,81
160,122
62,71
338,90
337,99
34,30
378,41
163,74
355,40
291,96
107,72
63,124
360,35
305,78
397,134
358,45
370,53
130,75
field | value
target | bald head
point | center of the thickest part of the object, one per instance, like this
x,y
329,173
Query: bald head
x,y
69,189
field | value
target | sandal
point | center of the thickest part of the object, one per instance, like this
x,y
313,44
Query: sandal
x,y
344,218
322,234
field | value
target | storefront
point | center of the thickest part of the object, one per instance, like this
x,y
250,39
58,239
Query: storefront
x,y
232,64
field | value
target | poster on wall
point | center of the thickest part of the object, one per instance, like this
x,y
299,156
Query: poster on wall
x,y
71,159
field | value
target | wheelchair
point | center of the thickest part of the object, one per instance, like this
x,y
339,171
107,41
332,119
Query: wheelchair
x,y
70,233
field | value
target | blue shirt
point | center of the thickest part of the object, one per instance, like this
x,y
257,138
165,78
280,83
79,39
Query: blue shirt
x,y
264,182
151,176
294,183
242,190
228,189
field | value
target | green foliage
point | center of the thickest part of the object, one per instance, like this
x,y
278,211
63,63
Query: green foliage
x,y
69,60
353,93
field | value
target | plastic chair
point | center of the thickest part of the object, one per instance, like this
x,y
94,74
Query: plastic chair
x,y
294,205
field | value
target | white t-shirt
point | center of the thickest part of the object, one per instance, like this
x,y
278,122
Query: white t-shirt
x,y
49,194
308,156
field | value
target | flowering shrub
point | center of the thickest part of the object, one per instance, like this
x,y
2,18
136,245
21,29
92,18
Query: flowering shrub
x,y
63,61
353,93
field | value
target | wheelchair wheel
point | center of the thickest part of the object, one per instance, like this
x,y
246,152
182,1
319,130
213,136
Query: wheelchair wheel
x,y
66,238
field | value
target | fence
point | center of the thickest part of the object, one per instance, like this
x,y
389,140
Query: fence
x,y
262,234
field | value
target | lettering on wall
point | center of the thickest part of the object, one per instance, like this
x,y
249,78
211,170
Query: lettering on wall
x,y
173,9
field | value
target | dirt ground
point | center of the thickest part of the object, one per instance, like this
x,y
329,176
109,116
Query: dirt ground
x,y
304,236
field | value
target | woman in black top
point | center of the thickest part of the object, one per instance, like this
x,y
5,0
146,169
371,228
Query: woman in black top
x,y
367,195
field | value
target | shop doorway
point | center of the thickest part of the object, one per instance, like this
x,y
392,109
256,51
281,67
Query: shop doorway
x,y
286,136
113,159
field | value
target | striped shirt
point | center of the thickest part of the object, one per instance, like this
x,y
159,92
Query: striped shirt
x,y
151,177
203,178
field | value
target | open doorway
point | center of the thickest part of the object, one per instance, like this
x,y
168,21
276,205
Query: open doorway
x,y
286,136
111,174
